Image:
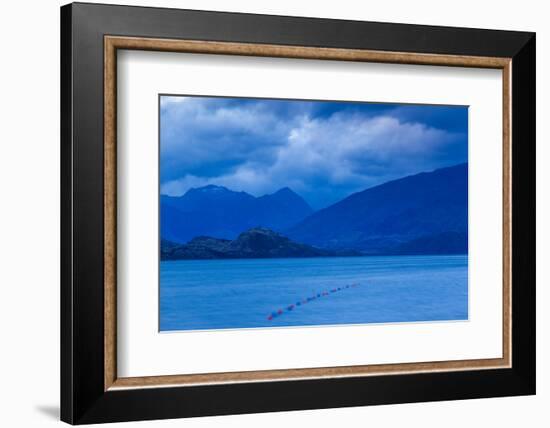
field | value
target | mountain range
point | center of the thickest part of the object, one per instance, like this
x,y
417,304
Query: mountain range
x,y
426,213
419,214
218,212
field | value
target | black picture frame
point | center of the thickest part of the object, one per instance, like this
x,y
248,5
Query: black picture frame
x,y
83,397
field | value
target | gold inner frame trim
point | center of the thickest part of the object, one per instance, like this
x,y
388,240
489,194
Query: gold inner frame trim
x,y
113,43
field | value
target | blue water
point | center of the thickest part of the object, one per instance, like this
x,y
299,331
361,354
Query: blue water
x,y
221,294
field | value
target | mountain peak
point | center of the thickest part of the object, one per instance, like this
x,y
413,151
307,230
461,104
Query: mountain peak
x,y
286,193
284,190
259,230
210,188
221,212
286,197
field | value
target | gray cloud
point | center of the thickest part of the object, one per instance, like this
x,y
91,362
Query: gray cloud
x,y
261,146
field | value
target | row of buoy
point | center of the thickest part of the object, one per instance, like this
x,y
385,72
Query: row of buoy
x,y
305,301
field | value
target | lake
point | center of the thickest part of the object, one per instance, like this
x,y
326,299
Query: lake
x,y
247,293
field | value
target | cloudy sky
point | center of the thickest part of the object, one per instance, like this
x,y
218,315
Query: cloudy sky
x,y
324,151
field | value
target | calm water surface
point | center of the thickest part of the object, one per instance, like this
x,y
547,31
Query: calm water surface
x,y
221,294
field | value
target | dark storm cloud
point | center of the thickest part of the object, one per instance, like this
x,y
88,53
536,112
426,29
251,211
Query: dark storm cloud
x,y
322,150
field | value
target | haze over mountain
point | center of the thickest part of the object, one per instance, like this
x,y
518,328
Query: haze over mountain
x,y
426,213
216,211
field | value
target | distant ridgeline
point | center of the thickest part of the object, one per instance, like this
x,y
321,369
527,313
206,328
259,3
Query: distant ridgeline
x,y
426,213
219,212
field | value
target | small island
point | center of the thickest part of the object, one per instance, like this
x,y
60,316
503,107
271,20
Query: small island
x,y
255,243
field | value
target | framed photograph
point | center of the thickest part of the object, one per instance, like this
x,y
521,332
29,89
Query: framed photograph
x,y
266,213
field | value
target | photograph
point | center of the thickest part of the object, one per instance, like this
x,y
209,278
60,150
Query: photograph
x,y
280,213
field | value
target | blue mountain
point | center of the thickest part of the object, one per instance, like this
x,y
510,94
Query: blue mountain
x,y
222,213
426,213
